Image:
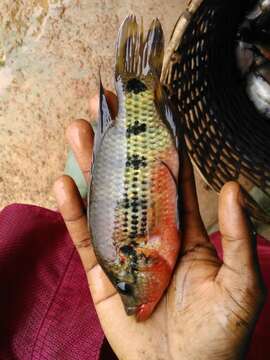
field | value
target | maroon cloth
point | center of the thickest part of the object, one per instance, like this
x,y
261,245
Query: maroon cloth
x,y
46,311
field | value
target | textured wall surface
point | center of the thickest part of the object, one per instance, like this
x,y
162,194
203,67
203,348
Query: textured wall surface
x,y
50,53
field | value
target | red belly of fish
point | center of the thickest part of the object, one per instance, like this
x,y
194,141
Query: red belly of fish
x,y
163,242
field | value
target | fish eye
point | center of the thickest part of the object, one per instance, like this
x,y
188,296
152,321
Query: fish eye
x,y
124,288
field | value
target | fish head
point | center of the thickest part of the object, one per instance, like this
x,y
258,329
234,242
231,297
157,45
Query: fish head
x,y
128,294
137,301
149,281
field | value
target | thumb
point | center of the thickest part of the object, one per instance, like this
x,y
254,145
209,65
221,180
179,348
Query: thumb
x,y
238,240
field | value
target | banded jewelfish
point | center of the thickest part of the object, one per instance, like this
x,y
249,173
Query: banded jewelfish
x,y
133,202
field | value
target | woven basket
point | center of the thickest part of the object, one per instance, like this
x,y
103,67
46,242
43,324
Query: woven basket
x,y
226,137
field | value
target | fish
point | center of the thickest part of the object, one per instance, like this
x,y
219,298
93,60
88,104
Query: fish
x,y
133,204
253,55
245,57
258,89
254,33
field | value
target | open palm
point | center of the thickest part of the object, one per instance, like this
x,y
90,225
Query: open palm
x,y
210,307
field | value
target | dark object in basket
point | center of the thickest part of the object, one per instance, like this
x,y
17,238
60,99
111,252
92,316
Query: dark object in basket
x,y
253,55
227,138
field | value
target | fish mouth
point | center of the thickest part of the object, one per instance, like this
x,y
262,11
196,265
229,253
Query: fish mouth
x,y
131,310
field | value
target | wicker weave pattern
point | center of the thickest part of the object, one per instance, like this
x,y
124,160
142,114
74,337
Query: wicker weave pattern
x,y
226,137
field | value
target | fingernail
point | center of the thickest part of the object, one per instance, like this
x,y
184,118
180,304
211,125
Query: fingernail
x,y
242,199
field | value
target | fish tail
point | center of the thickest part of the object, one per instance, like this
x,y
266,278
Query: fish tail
x,y
137,57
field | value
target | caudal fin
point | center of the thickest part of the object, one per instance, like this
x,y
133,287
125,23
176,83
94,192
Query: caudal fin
x,y
138,57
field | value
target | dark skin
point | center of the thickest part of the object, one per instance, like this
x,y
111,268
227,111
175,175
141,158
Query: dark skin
x,y
210,307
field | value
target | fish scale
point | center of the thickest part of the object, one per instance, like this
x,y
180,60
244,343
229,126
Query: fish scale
x,y
140,108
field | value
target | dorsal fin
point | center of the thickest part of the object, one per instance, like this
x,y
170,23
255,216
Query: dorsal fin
x,y
136,57
105,119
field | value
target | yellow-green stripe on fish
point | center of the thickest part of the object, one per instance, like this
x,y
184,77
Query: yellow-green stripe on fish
x,y
132,202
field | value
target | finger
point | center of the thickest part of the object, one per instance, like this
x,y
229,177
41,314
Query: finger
x,y
100,286
194,232
80,136
71,207
73,212
112,103
239,246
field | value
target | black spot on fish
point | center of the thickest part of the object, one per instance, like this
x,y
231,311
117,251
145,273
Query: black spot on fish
x,y
134,267
126,204
136,129
124,288
128,250
136,162
136,86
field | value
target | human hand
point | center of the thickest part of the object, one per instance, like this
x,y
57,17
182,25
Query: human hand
x,y
210,307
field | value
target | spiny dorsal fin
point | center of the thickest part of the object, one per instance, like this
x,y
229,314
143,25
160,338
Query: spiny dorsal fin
x,y
105,118
136,57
